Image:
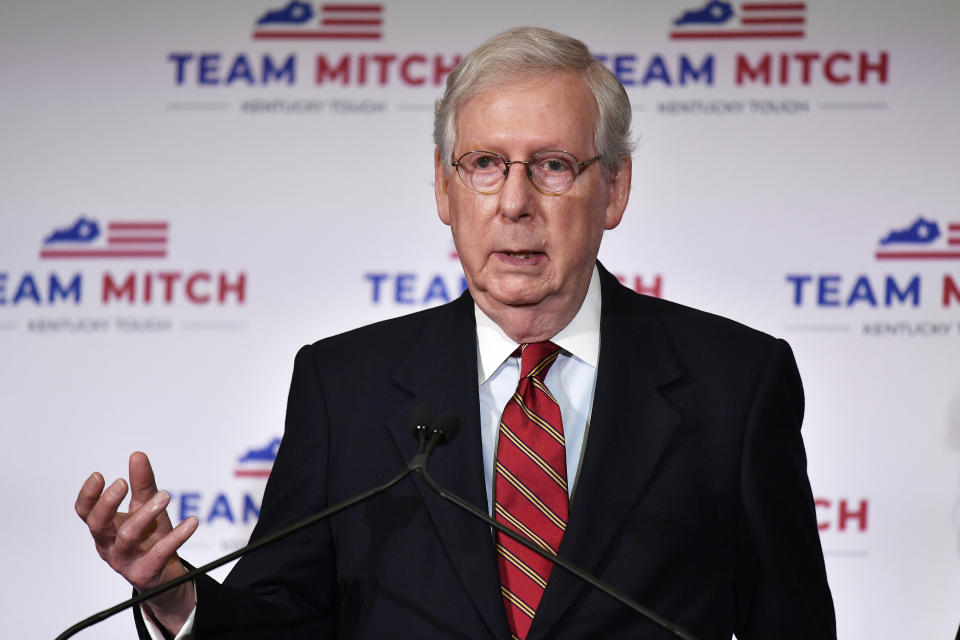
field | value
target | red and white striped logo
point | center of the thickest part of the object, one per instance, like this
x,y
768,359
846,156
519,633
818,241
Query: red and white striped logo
x,y
923,239
87,238
721,20
332,21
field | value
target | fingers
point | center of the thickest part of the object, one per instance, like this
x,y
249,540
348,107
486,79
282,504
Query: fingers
x,y
140,524
100,518
89,494
167,546
147,570
143,485
140,545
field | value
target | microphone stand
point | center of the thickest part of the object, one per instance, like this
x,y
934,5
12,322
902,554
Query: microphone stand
x,y
420,460
428,439
598,584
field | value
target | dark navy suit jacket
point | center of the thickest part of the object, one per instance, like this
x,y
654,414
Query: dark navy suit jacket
x,y
693,495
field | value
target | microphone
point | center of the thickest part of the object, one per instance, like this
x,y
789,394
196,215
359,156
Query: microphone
x,y
429,435
420,418
445,428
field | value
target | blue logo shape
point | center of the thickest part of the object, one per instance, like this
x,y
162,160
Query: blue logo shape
x,y
83,230
920,232
295,12
264,454
714,12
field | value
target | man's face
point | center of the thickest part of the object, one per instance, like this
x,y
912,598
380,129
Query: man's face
x,y
520,248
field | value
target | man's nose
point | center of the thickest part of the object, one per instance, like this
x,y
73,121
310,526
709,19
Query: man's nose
x,y
517,193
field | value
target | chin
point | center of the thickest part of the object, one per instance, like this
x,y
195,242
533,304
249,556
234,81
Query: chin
x,y
513,297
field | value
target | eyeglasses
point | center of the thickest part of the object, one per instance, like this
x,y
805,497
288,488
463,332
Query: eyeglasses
x,y
551,172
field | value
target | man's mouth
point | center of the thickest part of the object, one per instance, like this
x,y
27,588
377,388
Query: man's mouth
x,y
522,257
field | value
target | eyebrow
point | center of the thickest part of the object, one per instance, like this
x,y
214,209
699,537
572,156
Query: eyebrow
x,y
528,156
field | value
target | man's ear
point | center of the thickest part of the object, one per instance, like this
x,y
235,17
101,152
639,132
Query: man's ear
x,y
440,186
619,185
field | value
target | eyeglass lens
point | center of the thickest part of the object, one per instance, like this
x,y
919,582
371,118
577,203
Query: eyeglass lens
x,y
550,171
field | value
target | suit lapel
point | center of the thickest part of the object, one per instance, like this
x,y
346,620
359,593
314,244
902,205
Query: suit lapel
x,y
630,428
441,373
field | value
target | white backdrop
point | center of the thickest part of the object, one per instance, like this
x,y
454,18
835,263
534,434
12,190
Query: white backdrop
x,y
773,158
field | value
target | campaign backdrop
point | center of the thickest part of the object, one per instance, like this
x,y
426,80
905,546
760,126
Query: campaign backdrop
x,y
192,191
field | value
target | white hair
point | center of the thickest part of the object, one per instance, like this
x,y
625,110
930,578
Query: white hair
x,y
529,51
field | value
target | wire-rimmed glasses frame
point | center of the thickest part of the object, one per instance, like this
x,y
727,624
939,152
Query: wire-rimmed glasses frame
x,y
551,172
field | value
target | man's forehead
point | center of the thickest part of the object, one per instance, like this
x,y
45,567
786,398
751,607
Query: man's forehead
x,y
555,107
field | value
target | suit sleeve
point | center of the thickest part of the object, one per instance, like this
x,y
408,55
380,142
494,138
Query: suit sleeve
x,y
284,590
781,583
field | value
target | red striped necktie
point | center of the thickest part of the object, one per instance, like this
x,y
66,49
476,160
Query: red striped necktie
x,y
530,487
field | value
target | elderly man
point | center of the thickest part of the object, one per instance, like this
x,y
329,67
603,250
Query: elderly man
x,y
653,445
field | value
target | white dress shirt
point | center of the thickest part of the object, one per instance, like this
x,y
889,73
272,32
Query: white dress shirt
x,y
186,631
571,379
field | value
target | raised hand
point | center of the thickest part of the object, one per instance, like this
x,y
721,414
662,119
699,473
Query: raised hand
x,y
141,544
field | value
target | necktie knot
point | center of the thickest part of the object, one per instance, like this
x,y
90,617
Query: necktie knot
x,y
536,359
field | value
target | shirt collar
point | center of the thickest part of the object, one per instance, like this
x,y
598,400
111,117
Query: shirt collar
x,y
581,337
